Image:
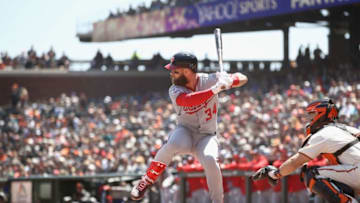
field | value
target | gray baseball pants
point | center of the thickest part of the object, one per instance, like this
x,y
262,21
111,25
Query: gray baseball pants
x,y
204,147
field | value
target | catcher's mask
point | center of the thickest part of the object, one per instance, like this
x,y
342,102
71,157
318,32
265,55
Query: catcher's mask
x,y
325,112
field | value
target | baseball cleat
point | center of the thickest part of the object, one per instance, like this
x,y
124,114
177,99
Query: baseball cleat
x,y
138,191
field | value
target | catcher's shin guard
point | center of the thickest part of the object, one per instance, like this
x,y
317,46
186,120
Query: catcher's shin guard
x,y
331,190
154,171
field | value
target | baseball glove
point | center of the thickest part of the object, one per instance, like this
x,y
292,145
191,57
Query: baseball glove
x,y
269,172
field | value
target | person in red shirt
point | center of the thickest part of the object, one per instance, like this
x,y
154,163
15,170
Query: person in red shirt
x,y
230,183
260,189
197,190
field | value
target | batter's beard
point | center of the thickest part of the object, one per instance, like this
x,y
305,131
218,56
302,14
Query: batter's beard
x,y
181,81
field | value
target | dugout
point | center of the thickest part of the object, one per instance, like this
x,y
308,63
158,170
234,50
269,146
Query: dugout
x,y
53,189
60,189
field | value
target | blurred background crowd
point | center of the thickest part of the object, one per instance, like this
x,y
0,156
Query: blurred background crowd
x,y
76,135
155,5
259,124
32,60
56,126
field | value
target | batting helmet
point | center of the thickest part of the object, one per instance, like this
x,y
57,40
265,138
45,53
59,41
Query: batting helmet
x,y
326,112
183,60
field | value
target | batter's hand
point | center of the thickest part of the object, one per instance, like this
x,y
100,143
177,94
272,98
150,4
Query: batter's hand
x,y
224,82
269,172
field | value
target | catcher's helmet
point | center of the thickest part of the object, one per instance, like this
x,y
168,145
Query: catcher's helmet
x,y
326,112
183,60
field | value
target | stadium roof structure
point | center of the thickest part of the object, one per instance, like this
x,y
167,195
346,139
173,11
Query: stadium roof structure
x,y
230,15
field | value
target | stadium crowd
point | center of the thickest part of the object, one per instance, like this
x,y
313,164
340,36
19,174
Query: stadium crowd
x,y
155,5
31,60
260,123
73,135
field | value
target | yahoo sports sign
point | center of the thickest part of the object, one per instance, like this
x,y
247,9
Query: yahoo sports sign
x,y
219,12
201,15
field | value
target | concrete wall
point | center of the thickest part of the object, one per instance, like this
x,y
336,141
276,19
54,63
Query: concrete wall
x,y
42,84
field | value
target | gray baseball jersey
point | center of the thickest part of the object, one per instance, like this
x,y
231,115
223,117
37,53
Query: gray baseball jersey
x,y
203,117
195,134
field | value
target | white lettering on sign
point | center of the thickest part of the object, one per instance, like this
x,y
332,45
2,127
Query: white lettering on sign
x,y
255,6
217,12
295,4
232,9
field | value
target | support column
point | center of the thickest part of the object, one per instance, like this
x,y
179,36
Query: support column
x,y
286,47
338,45
248,186
284,190
354,31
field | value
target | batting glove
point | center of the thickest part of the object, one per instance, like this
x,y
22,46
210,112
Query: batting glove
x,y
224,82
269,172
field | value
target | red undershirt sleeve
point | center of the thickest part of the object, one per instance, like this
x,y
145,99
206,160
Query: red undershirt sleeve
x,y
194,98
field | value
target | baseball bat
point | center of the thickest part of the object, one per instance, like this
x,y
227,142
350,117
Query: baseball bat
x,y
219,48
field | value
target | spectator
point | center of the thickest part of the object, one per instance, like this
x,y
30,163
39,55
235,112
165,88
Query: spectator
x,y
6,59
51,58
21,60
31,58
81,195
300,57
64,62
109,62
307,57
15,95
157,61
31,51
24,97
318,55
98,60
2,65
134,62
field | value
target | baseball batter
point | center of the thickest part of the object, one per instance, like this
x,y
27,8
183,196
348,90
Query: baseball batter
x,y
195,99
338,182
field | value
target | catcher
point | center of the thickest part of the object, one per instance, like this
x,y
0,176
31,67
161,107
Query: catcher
x,y
337,182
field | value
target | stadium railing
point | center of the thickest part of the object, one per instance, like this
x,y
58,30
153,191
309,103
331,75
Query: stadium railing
x,y
46,189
